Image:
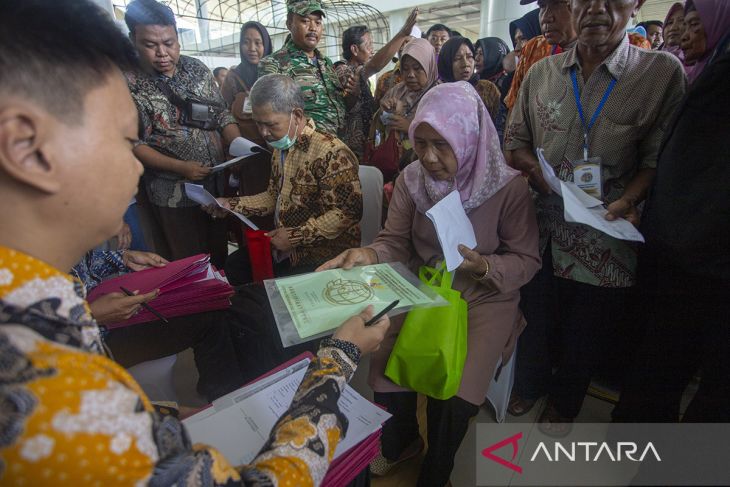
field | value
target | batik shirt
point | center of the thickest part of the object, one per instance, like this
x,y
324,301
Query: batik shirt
x,y
161,129
358,118
626,136
323,94
71,416
98,265
315,192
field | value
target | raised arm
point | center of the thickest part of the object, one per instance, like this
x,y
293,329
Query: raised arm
x,y
381,58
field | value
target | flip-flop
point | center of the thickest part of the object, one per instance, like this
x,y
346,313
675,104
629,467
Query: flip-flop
x,y
381,466
519,406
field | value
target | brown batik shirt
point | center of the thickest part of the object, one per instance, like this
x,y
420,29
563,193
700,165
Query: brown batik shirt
x,y
315,192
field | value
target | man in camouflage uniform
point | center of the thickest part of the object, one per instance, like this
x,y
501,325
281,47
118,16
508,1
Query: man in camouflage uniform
x,y
325,98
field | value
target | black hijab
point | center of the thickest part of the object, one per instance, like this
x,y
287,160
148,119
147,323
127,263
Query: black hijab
x,y
446,59
247,71
529,24
494,50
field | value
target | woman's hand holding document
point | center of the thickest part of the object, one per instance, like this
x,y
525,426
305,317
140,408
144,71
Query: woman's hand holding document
x,y
580,207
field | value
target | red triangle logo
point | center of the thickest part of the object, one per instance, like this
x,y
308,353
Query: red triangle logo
x,y
512,440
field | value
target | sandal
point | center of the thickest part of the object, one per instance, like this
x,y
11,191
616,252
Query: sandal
x,y
553,424
381,466
519,406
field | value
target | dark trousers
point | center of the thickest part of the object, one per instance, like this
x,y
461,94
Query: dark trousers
x,y
239,272
448,422
190,231
208,334
576,321
687,327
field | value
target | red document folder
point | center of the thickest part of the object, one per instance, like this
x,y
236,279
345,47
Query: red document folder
x,y
349,465
187,286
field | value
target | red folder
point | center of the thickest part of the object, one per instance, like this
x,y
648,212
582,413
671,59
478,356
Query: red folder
x,y
187,286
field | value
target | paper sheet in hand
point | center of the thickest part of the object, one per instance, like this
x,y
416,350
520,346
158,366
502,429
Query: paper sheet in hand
x,y
453,228
239,423
242,147
320,301
580,207
226,164
198,194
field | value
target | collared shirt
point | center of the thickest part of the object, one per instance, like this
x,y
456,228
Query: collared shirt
x,y
74,417
323,94
161,128
626,136
316,189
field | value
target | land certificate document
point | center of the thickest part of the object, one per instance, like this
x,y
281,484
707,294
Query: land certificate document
x,y
321,301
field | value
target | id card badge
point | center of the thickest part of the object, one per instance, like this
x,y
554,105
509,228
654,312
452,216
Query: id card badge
x,y
587,176
247,106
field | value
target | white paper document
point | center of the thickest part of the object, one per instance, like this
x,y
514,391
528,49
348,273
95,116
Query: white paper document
x,y
238,424
226,164
453,228
580,207
198,193
242,147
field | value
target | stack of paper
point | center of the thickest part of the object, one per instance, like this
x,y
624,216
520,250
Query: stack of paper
x,y
580,207
187,286
238,424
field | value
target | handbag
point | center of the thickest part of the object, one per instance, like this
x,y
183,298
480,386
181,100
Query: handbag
x,y
385,156
430,351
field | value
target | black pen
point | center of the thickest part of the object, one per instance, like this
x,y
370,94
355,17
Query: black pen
x,y
377,317
145,305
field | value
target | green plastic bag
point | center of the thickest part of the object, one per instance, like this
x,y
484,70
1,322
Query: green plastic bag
x,y
429,354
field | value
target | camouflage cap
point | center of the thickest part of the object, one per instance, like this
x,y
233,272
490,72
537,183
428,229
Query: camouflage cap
x,y
304,7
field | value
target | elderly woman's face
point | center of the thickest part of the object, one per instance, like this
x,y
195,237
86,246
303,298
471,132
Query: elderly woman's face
x,y
413,74
434,152
275,125
463,65
694,40
673,28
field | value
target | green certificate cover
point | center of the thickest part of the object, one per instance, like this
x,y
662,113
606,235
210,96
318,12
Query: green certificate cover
x,y
321,301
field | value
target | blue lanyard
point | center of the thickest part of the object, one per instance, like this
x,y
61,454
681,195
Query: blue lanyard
x,y
587,128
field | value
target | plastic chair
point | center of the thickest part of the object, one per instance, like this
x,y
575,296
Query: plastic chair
x,y
371,180
156,378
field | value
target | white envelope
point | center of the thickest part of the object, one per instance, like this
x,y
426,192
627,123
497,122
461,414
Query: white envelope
x,y
453,228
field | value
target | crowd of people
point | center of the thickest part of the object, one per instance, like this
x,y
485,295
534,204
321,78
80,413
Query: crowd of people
x,y
99,132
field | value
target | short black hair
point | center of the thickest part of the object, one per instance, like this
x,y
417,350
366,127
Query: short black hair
x,y
148,12
352,37
55,52
657,23
437,27
218,70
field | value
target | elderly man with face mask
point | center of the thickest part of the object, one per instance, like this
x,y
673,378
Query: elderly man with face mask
x,y
325,98
184,127
581,108
314,191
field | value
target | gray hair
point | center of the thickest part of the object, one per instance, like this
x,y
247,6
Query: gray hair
x,y
282,92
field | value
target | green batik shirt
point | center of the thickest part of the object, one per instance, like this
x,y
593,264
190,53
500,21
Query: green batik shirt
x,y
323,94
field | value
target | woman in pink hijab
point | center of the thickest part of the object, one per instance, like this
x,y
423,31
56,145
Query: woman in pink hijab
x,y
706,22
673,29
458,150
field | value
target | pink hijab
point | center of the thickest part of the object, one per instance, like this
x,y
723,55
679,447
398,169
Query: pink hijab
x,y
715,17
457,113
674,50
422,51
